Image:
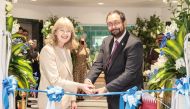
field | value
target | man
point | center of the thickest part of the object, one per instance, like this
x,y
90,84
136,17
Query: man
x,y
123,66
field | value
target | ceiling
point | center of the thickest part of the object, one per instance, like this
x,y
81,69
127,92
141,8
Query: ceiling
x,y
94,3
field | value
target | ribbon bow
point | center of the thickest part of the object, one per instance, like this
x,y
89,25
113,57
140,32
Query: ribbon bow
x,y
54,94
132,98
9,86
182,86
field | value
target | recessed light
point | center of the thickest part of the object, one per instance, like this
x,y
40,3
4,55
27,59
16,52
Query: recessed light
x,y
174,1
100,3
165,1
33,0
14,1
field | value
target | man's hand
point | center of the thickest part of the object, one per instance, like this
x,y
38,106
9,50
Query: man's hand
x,y
100,90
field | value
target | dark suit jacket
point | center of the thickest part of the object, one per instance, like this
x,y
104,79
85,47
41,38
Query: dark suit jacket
x,y
125,71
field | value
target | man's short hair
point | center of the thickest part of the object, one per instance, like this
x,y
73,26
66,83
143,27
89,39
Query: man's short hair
x,y
121,14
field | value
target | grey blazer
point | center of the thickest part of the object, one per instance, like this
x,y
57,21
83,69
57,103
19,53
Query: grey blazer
x,y
125,69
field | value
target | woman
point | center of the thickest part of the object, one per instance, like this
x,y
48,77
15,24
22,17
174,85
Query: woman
x,y
56,65
80,66
34,58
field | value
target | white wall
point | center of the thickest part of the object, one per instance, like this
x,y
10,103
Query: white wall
x,y
97,15
85,15
30,11
165,14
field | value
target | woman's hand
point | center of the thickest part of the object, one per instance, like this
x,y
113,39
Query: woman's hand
x,y
73,105
87,88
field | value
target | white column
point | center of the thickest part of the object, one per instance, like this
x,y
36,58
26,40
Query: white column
x,y
187,53
2,47
180,101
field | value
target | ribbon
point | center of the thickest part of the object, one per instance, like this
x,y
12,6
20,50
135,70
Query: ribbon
x,y
163,42
170,36
182,86
9,86
131,98
54,94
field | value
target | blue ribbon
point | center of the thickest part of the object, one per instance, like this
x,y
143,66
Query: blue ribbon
x,y
131,96
55,93
182,86
170,35
9,86
163,42
132,99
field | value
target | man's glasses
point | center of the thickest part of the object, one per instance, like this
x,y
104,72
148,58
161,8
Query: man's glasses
x,y
115,23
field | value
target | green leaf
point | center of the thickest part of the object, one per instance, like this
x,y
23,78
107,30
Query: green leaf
x,y
22,71
23,82
24,38
175,47
181,35
10,23
21,61
16,48
169,83
153,87
187,2
170,53
17,51
163,80
25,71
162,73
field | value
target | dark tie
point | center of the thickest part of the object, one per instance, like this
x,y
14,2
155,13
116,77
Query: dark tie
x,y
116,44
115,47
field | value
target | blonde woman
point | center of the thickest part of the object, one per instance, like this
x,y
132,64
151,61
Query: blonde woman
x,y
56,65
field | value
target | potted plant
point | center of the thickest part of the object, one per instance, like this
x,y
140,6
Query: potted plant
x,y
174,67
147,30
19,65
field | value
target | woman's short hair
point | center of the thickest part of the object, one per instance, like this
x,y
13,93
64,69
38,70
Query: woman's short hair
x,y
62,22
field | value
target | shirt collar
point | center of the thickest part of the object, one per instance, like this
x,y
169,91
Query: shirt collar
x,y
121,37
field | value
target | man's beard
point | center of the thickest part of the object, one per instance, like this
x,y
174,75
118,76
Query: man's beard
x,y
116,33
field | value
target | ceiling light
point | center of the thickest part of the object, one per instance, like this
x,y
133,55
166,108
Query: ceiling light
x,y
100,3
14,1
165,1
33,0
174,1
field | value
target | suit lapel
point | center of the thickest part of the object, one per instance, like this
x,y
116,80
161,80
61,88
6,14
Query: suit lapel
x,y
122,44
110,46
